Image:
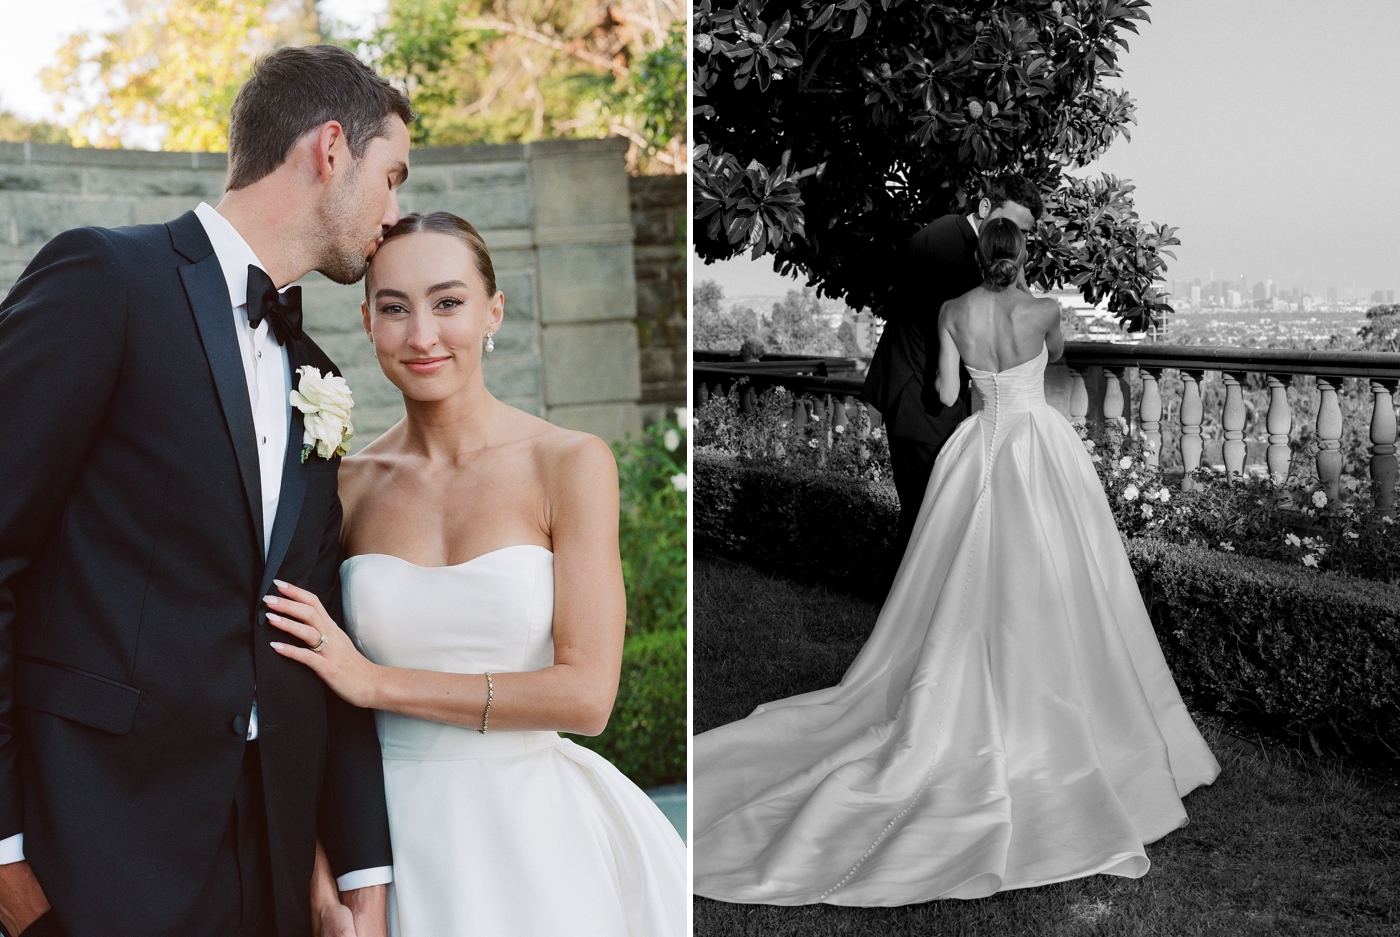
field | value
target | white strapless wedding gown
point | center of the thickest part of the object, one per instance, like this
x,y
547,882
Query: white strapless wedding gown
x,y
507,834
1010,723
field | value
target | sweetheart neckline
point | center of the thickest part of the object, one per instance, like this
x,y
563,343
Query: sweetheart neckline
x,y
479,556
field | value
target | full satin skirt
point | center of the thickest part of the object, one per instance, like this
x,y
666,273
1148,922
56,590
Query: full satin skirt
x,y
1011,721
518,834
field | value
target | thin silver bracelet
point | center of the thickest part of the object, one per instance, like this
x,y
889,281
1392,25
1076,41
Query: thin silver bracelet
x,y
490,695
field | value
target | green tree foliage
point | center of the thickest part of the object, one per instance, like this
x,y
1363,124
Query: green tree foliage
x,y
497,71
173,67
828,132
1382,329
15,129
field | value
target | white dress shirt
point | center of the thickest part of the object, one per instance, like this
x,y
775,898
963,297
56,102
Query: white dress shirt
x,y
267,371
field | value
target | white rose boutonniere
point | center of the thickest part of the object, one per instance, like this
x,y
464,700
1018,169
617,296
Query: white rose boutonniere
x,y
325,404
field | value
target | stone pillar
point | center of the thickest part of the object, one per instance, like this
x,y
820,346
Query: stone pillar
x,y
587,285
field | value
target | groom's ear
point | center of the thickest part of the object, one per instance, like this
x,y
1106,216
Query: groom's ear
x,y
330,154
984,208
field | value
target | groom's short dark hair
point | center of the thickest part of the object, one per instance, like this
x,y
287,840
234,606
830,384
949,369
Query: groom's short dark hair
x,y
296,89
1018,189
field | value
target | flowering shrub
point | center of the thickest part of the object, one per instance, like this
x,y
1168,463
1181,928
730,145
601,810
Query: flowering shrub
x,y
770,434
654,477
1288,519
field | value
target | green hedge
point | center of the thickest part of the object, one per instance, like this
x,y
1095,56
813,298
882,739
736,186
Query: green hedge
x,y
646,736
1296,653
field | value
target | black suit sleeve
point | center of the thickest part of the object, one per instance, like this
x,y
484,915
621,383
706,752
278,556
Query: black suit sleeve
x,y
354,822
62,331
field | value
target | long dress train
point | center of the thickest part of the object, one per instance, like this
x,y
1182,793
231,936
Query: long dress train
x,y
1011,721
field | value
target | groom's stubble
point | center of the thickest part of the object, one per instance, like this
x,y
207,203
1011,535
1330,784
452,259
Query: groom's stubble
x,y
340,239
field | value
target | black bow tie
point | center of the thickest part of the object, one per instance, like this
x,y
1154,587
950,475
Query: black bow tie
x,y
282,310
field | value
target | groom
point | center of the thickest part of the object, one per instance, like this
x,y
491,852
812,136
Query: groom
x,y
942,264
162,770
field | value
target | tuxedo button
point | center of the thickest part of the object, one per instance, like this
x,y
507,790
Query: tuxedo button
x,y
240,726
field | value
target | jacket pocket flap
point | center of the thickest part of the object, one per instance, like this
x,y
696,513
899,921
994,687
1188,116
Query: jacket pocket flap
x,y
77,695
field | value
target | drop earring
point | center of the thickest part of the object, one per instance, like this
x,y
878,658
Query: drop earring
x,y
490,343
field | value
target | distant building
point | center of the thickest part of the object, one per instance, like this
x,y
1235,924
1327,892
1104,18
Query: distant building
x,y
1235,299
1196,295
1390,296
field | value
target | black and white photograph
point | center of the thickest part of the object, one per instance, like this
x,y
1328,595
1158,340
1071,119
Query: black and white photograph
x,y
1046,573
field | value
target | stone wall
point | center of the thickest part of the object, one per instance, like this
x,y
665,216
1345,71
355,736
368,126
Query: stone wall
x,y
557,215
658,217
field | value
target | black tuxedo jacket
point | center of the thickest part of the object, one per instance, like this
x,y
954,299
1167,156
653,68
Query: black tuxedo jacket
x,y
941,264
132,632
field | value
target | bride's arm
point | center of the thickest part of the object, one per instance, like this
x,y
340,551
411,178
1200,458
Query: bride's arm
x,y
576,693
947,361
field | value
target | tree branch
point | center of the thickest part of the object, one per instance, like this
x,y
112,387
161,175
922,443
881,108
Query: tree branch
x,y
568,48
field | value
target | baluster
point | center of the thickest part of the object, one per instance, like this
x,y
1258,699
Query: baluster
x,y
818,409
876,419
1279,423
1329,436
702,394
748,400
859,409
799,413
1150,413
1113,396
1383,469
1078,397
838,412
1191,413
1232,418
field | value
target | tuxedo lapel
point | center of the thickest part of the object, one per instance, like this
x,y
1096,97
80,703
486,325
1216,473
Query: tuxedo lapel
x,y
208,296
293,481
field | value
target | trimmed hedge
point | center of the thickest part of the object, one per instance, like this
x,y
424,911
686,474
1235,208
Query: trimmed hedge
x,y
646,736
1300,654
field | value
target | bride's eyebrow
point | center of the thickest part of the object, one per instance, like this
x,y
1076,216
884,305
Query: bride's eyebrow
x,y
380,294
445,285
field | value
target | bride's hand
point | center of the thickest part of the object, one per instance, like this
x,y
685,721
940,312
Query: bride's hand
x,y
346,671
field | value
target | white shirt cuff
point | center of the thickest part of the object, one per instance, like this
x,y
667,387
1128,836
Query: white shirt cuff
x,y
363,878
12,849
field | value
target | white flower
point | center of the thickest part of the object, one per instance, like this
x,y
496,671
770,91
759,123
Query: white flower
x,y
680,481
1096,458
840,429
671,440
1227,546
1164,495
683,418
1351,535
1089,444
1130,493
1387,520
1125,463
1309,560
1147,510
1292,540
1319,499
812,443
325,404
876,433
704,43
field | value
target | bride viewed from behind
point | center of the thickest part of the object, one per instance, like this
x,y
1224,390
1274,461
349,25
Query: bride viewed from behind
x,y
1011,721
484,594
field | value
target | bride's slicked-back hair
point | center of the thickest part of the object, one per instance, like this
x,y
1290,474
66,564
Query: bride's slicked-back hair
x,y
296,89
444,222
999,247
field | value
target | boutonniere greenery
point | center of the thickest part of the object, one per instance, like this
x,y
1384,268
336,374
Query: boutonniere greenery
x,y
325,404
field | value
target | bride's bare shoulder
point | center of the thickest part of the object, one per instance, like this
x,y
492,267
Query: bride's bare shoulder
x,y
571,461
359,471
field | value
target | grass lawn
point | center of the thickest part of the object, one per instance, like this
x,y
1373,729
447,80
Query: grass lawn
x,y
1274,847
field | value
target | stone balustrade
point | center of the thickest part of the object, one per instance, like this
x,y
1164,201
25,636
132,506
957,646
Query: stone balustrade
x,y
828,385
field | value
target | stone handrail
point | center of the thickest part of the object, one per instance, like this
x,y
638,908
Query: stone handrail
x,y
1083,359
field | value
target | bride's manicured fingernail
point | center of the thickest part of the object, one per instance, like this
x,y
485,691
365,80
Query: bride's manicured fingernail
x,y
279,583
272,617
276,645
270,599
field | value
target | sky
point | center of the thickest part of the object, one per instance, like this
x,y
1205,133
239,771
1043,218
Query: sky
x,y
46,24
1268,133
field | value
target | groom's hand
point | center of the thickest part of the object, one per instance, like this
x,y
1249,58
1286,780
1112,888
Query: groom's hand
x,y
370,908
22,901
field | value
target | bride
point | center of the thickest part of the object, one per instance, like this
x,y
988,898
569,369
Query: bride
x,y
484,606
1011,721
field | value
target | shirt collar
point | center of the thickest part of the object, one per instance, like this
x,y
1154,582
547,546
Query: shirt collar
x,y
233,252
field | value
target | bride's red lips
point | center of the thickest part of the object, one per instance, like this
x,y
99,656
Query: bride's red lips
x,y
425,365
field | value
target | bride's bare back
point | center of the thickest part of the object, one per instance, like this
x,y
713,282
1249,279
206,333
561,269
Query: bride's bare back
x,y
994,330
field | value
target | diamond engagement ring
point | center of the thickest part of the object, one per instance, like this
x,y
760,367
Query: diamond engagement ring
x,y
324,641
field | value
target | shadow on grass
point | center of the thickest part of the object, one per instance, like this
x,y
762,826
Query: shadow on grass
x,y
1271,849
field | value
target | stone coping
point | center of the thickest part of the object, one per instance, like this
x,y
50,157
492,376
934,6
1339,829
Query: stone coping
x,y
29,154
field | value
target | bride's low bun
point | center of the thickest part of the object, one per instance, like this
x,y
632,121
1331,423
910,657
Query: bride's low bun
x,y
1002,273
1001,248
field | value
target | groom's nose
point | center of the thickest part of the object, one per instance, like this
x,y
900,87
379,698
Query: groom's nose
x,y
391,212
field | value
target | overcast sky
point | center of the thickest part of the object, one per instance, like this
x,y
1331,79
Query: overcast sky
x,y
1268,132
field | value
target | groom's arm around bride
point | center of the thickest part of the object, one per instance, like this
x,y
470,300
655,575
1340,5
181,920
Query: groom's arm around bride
x,y
162,770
